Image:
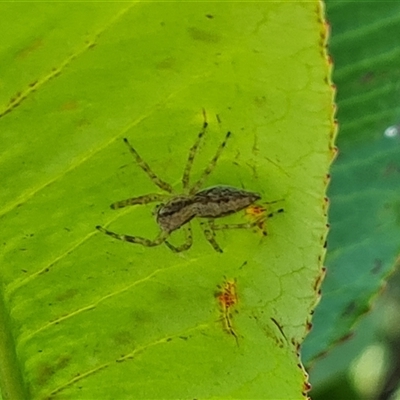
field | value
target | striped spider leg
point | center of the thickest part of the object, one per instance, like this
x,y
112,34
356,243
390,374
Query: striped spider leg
x,y
192,194
191,191
150,198
256,212
258,215
146,199
177,210
185,186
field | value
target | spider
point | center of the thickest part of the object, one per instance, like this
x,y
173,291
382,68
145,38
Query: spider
x,y
177,210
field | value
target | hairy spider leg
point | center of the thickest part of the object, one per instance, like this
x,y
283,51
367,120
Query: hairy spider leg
x,y
247,225
145,167
188,243
273,202
210,166
210,235
148,198
192,154
161,238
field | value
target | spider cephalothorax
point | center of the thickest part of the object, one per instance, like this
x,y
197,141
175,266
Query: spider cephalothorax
x,y
177,210
214,202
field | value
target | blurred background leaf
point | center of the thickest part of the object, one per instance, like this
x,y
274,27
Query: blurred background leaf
x,y
364,238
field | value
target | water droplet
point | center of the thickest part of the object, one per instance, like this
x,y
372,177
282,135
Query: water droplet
x,y
392,131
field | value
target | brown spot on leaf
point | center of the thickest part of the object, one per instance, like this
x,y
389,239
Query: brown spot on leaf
x,y
46,370
260,101
28,50
166,64
203,36
69,105
168,293
319,280
123,338
67,294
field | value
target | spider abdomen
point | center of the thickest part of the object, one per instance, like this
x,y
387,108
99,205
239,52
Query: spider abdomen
x,y
177,212
219,201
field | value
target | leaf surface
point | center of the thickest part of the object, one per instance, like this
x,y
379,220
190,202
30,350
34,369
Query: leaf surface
x,y
95,317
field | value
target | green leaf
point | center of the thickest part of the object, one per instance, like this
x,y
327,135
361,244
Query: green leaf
x,y
363,242
95,317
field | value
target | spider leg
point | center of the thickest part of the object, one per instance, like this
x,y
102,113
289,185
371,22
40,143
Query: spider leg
x,y
185,246
210,166
210,236
192,154
257,223
149,198
235,226
145,167
136,239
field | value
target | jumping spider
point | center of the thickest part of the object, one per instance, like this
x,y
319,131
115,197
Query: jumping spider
x,y
179,209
